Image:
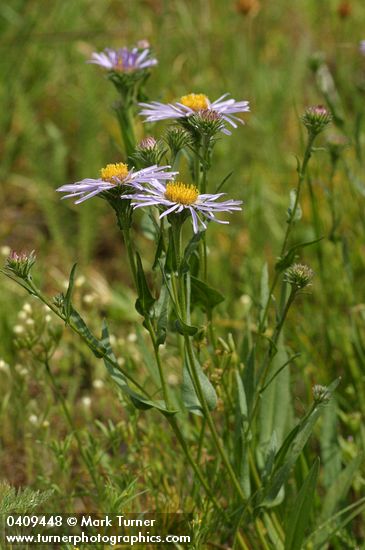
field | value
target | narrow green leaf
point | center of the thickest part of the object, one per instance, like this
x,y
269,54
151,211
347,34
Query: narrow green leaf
x,y
289,257
170,261
299,516
298,438
94,343
340,487
190,249
68,296
330,448
298,212
249,378
204,295
189,395
161,312
159,250
241,447
224,180
145,299
325,531
184,329
275,408
264,289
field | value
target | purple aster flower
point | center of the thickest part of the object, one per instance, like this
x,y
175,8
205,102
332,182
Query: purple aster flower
x,y
114,175
176,197
194,103
362,47
124,60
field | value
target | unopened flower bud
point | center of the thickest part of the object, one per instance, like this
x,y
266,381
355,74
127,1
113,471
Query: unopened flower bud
x,y
315,119
205,122
148,143
149,151
20,264
177,138
299,276
321,394
59,300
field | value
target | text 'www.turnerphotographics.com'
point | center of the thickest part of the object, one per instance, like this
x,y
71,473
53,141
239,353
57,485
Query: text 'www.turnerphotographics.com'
x,y
121,529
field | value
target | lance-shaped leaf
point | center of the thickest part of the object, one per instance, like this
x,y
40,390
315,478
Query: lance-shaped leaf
x,y
190,249
170,261
289,257
298,518
264,290
145,299
161,315
68,296
204,295
77,322
292,448
189,394
298,210
241,443
184,329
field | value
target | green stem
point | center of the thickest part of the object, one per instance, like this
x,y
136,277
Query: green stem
x,y
195,466
178,290
170,418
270,353
165,392
125,119
301,177
131,254
208,416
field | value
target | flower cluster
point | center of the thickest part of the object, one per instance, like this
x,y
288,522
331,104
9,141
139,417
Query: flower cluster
x,y
155,185
148,189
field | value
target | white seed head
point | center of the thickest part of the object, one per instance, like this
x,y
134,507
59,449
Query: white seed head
x,y
33,419
80,281
86,401
89,298
5,251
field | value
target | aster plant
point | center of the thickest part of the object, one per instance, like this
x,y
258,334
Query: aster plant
x,y
178,310
128,69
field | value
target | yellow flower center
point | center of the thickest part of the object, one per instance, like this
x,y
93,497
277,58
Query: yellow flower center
x,y
118,170
196,102
181,193
119,65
